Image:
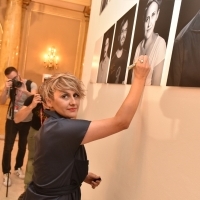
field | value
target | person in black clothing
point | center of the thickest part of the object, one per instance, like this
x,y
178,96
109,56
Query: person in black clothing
x,y
32,104
17,89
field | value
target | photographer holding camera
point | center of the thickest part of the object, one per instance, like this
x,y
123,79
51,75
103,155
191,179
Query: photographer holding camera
x,y
17,90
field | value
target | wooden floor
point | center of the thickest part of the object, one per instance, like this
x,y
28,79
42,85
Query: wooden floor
x,y
17,186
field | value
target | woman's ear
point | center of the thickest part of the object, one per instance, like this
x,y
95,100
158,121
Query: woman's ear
x,y
49,103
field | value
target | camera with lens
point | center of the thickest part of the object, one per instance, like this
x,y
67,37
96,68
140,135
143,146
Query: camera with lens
x,y
16,83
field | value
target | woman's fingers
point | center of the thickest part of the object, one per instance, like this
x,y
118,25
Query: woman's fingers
x,y
142,67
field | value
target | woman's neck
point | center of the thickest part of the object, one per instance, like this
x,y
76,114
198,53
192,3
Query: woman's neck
x,y
148,43
119,53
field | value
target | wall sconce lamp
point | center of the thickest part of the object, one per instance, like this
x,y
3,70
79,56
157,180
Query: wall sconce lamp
x,y
50,59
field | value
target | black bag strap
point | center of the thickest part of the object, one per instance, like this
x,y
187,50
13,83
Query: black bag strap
x,y
28,85
11,103
13,93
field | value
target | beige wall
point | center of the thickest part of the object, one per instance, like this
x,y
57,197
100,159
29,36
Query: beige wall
x,y
158,157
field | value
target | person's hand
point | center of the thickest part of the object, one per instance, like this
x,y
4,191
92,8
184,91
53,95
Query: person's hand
x,y
36,99
8,84
90,179
142,67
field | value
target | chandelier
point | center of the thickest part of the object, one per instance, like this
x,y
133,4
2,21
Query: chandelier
x,y
50,59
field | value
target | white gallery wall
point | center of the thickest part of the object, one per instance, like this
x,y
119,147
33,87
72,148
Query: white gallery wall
x,y
158,157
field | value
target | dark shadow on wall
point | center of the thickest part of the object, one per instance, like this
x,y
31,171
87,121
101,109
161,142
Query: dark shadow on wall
x,y
177,106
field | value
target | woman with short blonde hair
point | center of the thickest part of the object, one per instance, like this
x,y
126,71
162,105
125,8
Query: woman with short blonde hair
x,y
61,164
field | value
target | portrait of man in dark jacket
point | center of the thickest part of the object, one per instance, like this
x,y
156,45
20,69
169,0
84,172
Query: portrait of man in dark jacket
x,y
185,62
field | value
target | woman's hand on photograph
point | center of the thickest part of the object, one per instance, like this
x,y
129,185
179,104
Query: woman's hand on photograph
x,y
142,67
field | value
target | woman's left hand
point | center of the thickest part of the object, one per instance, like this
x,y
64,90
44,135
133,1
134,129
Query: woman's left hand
x,y
90,179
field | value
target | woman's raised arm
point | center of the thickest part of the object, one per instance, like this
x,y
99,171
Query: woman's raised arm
x,y
103,128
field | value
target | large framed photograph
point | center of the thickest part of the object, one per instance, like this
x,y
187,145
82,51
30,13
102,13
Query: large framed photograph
x,y
105,55
151,36
184,67
121,47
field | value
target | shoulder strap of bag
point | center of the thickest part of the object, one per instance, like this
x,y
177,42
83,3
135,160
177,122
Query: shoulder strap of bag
x,y
28,85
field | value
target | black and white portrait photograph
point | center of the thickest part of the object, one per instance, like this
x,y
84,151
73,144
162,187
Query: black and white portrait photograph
x,y
185,61
96,59
151,36
121,46
105,55
104,3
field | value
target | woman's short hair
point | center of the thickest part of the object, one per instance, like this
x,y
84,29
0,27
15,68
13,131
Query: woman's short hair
x,y
159,2
149,2
61,82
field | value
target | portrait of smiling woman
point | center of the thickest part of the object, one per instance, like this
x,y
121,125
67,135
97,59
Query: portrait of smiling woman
x,y
152,43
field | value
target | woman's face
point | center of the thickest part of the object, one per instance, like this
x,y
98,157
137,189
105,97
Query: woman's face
x,y
65,103
150,19
106,47
123,33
